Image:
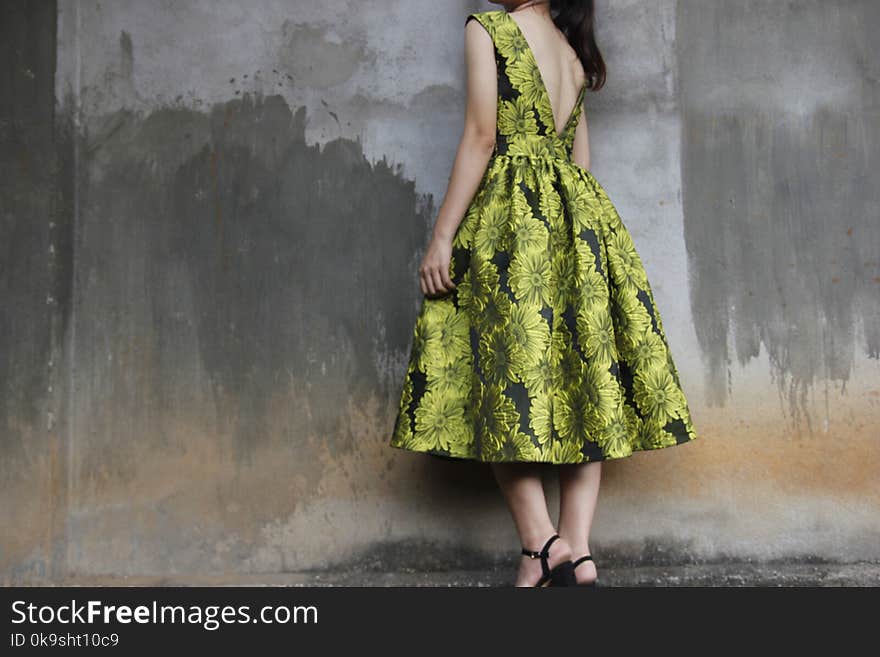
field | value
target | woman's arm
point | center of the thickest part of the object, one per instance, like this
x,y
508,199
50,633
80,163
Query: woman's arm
x,y
580,150
474,151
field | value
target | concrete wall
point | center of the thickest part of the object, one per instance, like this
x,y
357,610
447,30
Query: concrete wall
x,y
210,221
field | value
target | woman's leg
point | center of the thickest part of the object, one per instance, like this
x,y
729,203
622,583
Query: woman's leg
x,y
524,492
578,492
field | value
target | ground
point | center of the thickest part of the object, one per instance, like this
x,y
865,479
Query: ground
x,y
727,574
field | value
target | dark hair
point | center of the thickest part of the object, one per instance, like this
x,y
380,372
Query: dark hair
x,y
576,19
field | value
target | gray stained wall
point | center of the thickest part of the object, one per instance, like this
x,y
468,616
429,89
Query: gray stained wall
x,y
210,225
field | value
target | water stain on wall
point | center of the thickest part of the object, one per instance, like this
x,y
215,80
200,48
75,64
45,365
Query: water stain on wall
x,y
225,240
780,141
316,59
236,293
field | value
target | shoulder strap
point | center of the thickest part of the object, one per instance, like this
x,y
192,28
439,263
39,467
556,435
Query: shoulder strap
x,y
484,18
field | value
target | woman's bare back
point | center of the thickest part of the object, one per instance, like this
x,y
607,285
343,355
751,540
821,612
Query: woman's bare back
x,y
560,67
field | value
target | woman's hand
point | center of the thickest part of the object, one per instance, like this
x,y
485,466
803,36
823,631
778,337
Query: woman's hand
x,y
434,271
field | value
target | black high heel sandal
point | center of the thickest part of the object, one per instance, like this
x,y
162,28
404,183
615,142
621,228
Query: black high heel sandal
x,y
562,574
575,563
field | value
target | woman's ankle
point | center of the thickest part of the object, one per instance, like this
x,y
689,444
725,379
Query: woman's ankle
x,y
578,546
559,549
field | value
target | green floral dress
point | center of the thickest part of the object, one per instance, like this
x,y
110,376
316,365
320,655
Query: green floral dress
x,y
550,347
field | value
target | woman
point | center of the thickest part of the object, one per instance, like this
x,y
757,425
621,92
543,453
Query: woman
x,y
538,342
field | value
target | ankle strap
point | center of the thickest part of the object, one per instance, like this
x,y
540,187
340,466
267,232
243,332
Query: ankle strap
x,y
543,552
586,557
